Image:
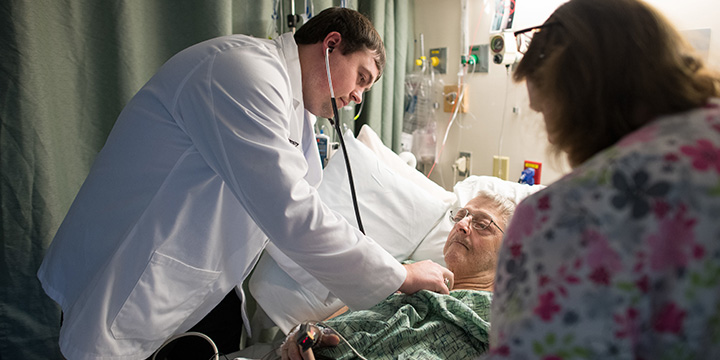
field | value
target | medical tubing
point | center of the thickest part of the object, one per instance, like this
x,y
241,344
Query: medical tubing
x,y
502,123
456,108
336,125
343,339
215,356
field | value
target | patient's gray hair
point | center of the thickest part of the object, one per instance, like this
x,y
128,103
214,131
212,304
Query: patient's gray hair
x,y
504,205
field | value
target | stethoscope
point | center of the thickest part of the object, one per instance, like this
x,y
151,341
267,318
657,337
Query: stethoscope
x,y
336,124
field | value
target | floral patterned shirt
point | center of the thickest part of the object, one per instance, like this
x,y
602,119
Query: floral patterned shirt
x,y
621,258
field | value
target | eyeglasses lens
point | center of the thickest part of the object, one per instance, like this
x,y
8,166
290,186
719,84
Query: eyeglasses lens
x,y
479,224
524,39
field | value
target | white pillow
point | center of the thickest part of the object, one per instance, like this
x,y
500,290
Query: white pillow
x,y
468,188
370,139
432,246
396,213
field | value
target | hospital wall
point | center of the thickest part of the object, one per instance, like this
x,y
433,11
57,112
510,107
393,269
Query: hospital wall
x,y
499,121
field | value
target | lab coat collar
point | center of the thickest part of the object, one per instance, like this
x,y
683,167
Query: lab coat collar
x,y
292,59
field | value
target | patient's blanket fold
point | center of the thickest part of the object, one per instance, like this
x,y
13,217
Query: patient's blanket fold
x,y
425,325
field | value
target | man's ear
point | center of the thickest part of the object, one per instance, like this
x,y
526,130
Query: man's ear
x,y
332,40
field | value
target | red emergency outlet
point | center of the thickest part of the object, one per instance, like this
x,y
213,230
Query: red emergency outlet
x,y
535,166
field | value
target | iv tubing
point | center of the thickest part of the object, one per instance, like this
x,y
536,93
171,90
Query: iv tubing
x,y
502,124
456,108
464,28
461,89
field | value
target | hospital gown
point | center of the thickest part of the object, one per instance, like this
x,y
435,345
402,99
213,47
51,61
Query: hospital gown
x,y
425,325
621,258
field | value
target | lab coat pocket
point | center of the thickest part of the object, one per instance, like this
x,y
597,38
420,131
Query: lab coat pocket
x,y
167,292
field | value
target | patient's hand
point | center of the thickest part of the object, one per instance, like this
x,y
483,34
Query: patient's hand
x,y
291,350
427,275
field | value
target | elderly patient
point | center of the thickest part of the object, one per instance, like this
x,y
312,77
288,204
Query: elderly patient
x,y
429,325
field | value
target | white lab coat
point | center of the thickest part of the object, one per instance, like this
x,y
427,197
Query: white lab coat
x,y
213,156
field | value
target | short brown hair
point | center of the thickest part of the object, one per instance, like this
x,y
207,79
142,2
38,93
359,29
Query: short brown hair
x,y
358,33
609,67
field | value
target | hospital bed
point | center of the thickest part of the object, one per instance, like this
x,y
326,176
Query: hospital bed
x,y
401,209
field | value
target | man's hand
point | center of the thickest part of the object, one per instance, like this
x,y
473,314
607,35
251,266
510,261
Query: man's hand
x,y
427,275
291,350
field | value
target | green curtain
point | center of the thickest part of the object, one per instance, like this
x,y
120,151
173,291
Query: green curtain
x,y
67,69
385,102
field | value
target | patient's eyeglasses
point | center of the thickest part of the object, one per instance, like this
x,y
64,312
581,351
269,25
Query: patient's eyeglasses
x,y
524,37
477,223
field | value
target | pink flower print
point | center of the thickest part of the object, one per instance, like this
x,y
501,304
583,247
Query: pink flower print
x,y
599,252
704,156
698,251
661,208
544,203
502,351
670,157
547,307
600,257
552,357
628,324
525,216
669,319
643,284
673,244
569,278
713,119
522,226
716,127
516,250
643,135
600,276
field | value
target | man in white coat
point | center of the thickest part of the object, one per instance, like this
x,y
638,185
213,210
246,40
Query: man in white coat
x,y
211,159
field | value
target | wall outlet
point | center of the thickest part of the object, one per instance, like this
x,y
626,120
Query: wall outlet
x,y
450,95
501,166
463,163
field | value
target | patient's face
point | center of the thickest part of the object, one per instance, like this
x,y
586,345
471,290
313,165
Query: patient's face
x,y
468,250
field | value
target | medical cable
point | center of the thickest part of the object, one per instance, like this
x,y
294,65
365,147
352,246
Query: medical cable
x,y
216,353
343,339
502,123
336,123
319,327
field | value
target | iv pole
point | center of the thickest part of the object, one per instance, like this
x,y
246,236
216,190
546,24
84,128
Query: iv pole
x,y
292,18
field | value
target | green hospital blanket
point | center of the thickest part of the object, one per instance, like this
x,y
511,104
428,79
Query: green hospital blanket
x,y
425,325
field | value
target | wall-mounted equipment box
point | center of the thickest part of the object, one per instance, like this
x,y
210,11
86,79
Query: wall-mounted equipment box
x,y
438,60
482,59
535,166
